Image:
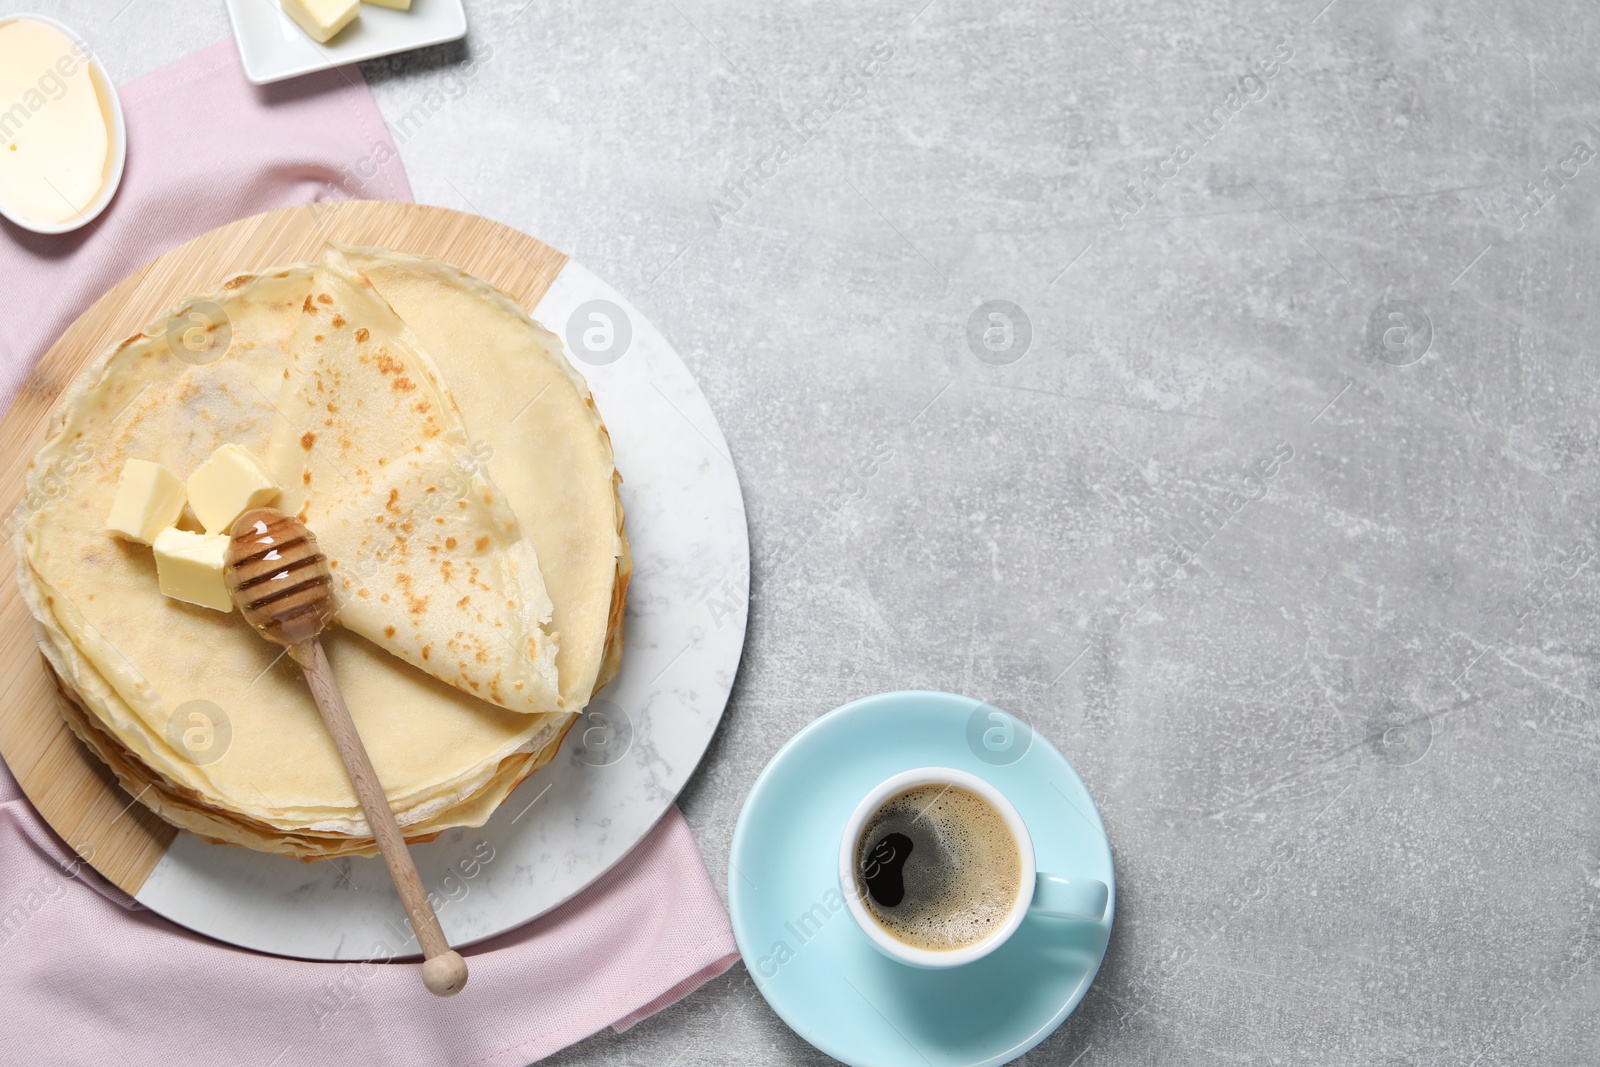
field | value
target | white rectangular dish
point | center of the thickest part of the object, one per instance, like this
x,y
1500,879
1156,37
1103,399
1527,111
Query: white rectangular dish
x,y
273,48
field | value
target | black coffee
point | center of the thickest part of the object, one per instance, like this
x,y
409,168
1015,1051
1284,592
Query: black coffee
x,y
938,867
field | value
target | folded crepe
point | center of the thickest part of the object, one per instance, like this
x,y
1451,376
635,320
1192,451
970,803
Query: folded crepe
x,y
446,661
545,444
428,559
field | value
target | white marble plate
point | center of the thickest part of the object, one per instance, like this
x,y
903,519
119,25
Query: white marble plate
x,y
621,766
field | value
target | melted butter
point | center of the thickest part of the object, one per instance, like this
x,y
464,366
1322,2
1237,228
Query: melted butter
x,y
55,126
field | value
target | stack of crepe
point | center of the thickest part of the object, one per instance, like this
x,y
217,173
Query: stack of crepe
x,y
462,485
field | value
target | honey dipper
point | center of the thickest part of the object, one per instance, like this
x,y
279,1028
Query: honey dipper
x,y
282,586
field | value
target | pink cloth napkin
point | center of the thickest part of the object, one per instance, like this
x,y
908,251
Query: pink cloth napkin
x,y
90,976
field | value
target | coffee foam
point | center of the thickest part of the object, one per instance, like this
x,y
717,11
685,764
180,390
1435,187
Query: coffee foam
x,y
961,877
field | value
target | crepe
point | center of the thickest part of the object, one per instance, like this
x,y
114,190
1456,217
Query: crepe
x,y
129,658
428,560
189,810
527,402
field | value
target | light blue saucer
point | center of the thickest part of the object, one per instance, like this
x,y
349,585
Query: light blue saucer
x,y
815,966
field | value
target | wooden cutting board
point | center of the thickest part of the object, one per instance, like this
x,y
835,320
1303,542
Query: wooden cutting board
x,y
73,790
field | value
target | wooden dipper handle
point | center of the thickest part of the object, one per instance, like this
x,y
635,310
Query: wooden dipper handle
x,y
281,585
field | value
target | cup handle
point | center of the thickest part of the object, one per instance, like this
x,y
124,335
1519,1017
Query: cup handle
x,y
1070,898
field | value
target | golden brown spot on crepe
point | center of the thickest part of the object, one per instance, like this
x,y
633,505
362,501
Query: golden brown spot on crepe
x,y
305,478
286,374
317,337
483,542
415,605
430,428
425,650
363,592
333,408
394,500
463,601
239,282
387,364
308,307
450,542
307,439
338,322
422,407
362,334
136,338
403,384
324,298
388,631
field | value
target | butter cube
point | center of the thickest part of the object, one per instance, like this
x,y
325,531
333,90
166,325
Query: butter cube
x,y
189,567
149,498
322,18
398,5
227,485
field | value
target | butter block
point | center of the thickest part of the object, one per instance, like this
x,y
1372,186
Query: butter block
x,y
227,485
322,18
189,567
149,499
398,5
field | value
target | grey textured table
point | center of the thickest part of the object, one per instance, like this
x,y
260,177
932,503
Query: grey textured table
x,y
1271,507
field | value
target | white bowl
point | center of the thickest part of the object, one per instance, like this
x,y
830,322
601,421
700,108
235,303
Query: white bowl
x,y
118,134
